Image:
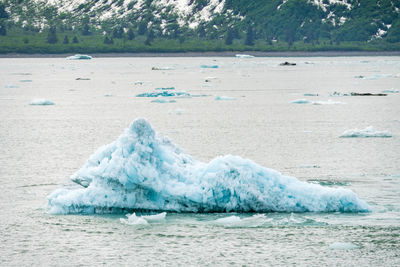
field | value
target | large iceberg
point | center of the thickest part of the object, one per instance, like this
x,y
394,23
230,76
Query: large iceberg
x,y
144,171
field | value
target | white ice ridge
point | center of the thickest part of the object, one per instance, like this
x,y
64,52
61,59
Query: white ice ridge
x,y
142,170
365,133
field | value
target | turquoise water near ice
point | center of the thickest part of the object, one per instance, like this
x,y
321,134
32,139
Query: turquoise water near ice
x,y
42,146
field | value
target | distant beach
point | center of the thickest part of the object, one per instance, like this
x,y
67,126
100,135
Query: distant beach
x,y
220,54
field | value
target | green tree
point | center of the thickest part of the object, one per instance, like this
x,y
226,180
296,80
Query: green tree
x,y
66,40
52,35
249,36
75,40
150,37
229,37
131,34
142,28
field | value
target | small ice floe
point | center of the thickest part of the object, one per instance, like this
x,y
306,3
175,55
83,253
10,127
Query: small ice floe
x,y
397,175
9,86
310,94
79,56
139,82
329,102
41,102
390,91
155,218
144,219
108,95
342,246
209,66
224,98
165,88
210,79
376,76
300,101
163,94
243,56
162,68
177,111
339,94
163,100
25,81
309,166
365,133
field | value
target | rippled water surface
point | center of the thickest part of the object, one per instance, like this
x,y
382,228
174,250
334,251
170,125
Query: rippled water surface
x,y
41,146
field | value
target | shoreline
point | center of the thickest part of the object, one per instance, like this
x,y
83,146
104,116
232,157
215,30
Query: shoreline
x,y
218,54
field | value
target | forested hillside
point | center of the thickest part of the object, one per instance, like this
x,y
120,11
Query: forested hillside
x,y
56,26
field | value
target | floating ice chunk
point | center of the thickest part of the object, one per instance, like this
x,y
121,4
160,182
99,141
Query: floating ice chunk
x,y
163,100
342,246
309,166
377,76
224,98
155,218
25,81
300,101
165,88
163,94
210,79
41,102
79,56
338,94
9,86
329,102
108,95
310,94
134,220
177,111
390,91
162,68
367,132
243,56
209,66
144,171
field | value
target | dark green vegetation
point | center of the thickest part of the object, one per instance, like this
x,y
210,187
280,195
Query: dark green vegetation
x,y
27,26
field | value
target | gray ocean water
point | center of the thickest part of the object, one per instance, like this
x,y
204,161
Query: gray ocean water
x,y
41,146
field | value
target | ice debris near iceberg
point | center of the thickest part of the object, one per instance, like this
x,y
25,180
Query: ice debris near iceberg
x,y
142,170
365,133
79,56
133,219
41,102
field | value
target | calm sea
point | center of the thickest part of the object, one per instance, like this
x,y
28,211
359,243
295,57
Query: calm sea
x,y
95,100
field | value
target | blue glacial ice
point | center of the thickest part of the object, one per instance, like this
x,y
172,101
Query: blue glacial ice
x,y
366,133
41,102
300,101
142,170
209,66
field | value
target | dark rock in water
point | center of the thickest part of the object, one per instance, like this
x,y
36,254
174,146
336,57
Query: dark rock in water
x,y
287,64
366,94
82,79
